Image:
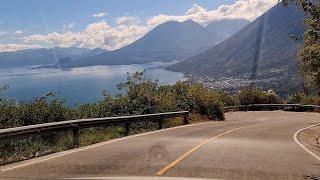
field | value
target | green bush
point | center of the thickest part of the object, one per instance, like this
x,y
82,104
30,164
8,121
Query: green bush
x,y
138,95
300,98
255,95
40,110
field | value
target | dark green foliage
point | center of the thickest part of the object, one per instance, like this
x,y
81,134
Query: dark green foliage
x,y
300,98
310,51
139,95
41,110
256,96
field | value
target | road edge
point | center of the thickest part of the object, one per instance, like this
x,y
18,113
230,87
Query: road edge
x,y
35,160
296,139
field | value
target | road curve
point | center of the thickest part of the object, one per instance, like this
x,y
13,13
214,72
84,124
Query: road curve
x,y
248,145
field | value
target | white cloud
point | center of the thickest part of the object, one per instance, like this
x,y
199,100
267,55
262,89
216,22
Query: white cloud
x,y
18,32
98,34
245,9
16,47
99,15
127,20
127,29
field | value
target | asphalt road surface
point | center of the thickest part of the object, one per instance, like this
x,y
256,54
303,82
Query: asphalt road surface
x,y
248,145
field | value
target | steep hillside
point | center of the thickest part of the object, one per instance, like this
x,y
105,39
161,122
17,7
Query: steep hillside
x,y
261,52
225,28
167,42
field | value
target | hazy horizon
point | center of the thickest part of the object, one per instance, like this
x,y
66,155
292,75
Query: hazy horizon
x,y
107,24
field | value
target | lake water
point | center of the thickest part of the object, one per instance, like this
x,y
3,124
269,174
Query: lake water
x,y
77,85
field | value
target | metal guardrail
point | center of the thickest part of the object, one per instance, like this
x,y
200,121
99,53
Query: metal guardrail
x,y
272,107
76,125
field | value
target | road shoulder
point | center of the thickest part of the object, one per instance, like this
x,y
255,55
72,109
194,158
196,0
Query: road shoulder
x,y
310,138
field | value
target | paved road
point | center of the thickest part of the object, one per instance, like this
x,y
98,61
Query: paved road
x,y
248,145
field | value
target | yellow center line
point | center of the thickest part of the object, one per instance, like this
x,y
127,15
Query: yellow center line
x,y
186,154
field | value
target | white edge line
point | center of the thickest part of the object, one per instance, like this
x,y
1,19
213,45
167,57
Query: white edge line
x,y
64,153
295,137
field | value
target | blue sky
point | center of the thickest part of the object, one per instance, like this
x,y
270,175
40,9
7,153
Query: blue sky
x,y
46,22
39,16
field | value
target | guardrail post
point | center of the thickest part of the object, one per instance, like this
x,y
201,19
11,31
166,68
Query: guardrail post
x,y
160,124
185,119
76,137
126,129
76,125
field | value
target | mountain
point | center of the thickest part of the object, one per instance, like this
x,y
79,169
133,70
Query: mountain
x,y
31,57
261,52
166,42
225,28
94,52
64,62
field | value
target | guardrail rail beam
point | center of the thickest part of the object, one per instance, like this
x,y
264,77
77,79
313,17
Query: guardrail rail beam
x,y
76,125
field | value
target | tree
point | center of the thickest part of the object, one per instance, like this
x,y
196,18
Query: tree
x,y
310,51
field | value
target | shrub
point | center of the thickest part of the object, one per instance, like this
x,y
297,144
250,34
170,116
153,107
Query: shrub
x,y
255,95
300,98
139,95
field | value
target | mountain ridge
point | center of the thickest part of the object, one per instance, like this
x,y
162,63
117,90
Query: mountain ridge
x,y
167,42
260,51
41,56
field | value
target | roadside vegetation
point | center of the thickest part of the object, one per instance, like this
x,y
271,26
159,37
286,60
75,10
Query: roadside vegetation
x,y
309,53
138,95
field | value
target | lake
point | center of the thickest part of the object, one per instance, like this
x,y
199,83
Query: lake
x,y
77,85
